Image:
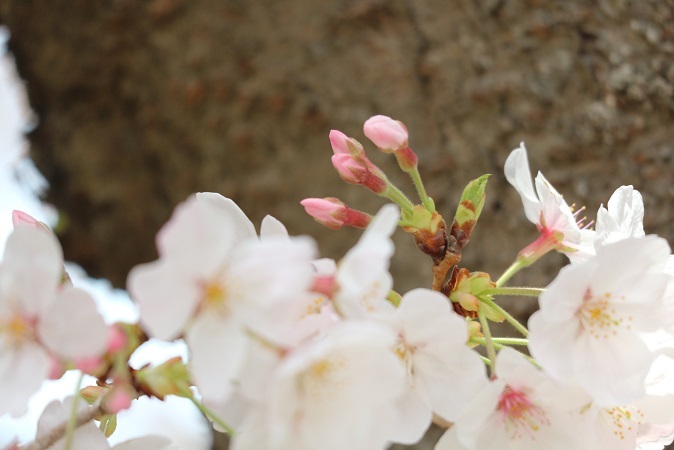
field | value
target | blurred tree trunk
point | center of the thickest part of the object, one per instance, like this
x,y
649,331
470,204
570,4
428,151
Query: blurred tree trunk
x,y
142,103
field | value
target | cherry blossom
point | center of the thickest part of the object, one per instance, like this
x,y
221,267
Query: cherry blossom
x,y
521,409
546,208
39,320
587,328
215,281
443,374
333,393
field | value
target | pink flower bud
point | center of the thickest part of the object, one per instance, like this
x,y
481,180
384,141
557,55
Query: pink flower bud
x,y
117,340
344,145
118,400
334,214
387,134
360,171
327,211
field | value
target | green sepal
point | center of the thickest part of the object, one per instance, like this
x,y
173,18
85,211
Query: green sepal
x,y
108,424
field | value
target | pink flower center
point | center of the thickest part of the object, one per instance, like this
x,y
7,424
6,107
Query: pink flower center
x,y
520,417
598,316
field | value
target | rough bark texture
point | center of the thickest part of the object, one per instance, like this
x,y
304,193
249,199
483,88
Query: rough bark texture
x,y
142,103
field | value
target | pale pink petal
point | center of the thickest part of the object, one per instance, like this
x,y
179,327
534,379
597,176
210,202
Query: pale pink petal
x,y
200,236
271,226
166,298
217,354
556,213
518,174
72,327
31,269
415,418
244,228
22,371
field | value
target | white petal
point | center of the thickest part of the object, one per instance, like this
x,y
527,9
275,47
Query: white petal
x,y
31,269
414,420
244,227
72,327
166,297
22,371
271,226
518,174
85,437
200,236
217,352
556,213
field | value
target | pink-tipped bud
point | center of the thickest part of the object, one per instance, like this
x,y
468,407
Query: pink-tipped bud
x,y
118,399
117,339
360,171
344,145
334,214
387,134
327,211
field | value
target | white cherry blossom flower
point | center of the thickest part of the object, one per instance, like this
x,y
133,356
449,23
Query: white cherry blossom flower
x,y
38,318
546,208
214,282
334,393
363,279
443,374
588,327
522,409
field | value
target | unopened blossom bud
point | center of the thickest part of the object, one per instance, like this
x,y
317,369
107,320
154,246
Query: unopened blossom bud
x,y
93,393
334,214
387,134
119,398
360,171
117,339
344,145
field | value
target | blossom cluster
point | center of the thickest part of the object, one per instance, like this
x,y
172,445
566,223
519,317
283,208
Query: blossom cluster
x,y
288,350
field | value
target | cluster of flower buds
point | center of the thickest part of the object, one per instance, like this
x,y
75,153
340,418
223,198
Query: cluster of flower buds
x,y
287,350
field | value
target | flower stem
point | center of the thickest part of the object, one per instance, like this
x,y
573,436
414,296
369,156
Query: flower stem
x,y
419,185
501,342
511,320
521,291
491,352
396,196
515,267
72,419
187,393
